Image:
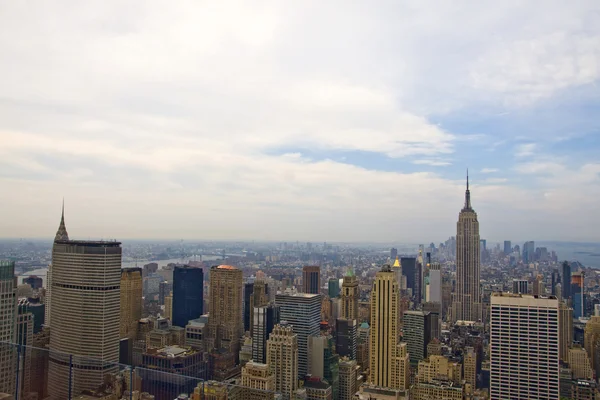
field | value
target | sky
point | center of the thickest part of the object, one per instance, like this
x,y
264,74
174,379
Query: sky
x,y
300,120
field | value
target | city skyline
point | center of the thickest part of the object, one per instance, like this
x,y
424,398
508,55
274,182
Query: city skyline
x,y
171,123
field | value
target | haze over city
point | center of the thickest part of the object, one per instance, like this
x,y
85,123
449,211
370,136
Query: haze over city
x,y
303,120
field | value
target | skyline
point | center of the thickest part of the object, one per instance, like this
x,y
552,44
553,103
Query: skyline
x,y
231,122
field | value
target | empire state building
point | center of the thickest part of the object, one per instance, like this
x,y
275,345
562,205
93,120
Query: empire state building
x,y
466,302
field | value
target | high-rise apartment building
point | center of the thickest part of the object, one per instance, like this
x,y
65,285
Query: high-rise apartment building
x,y
225,323
85,313
524,344
466,304
8,322
417,328
188,294
131,302
265,319
311,279
282,358
387,358
303,312
348,378
350,296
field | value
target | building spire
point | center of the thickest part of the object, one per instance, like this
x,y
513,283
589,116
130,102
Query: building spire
x,y
61,233
467,195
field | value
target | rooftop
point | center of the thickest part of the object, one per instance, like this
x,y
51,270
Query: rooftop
x,y
226,267
90,243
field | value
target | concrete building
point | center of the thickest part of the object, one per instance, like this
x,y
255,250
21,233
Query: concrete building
x,y
169,306
25,339
282,358
131,302
188,294
466,304
196,333
579,363
264,320
225,322
520,286
565,326
348,382
8,322
350,296
85,312
524,335
258,380
311,279
303,312
470,366
433,291
317,389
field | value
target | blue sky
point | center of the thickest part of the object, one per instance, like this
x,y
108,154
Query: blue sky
x,y
300,120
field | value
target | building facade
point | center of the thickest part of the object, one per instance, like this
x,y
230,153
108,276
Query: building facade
x,y
225,323
86,277
282,358
303,312
188,294
265,318
311,279
524,344
131,301
8,323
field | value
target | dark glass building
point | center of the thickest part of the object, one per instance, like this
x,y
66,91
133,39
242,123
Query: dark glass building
x,y
566,280
248,292
409,269
188,294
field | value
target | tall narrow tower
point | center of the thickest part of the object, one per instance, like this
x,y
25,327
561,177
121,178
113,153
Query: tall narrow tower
x,y
466,304
350,296
311,279
384,327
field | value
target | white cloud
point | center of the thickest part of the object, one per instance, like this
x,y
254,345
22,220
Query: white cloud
x,y
489,170
170,121
525,150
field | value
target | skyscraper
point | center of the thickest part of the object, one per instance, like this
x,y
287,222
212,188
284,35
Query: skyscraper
x,y
311,279
470,366
282,358
346,337
393,253
303,312
348,378
507,247
333,287
524,346
434,289
592,341
265,319
188,294
350,296
397,268
383,340
8,321
565,325
255,295
529,252
86,277
409,269
248,291
225,324
467,299
566,280
417,334
131,301
520,286
577,295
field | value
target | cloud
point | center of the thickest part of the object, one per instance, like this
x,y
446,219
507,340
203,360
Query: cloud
x,y
525,150
164,121
433,163
489,170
